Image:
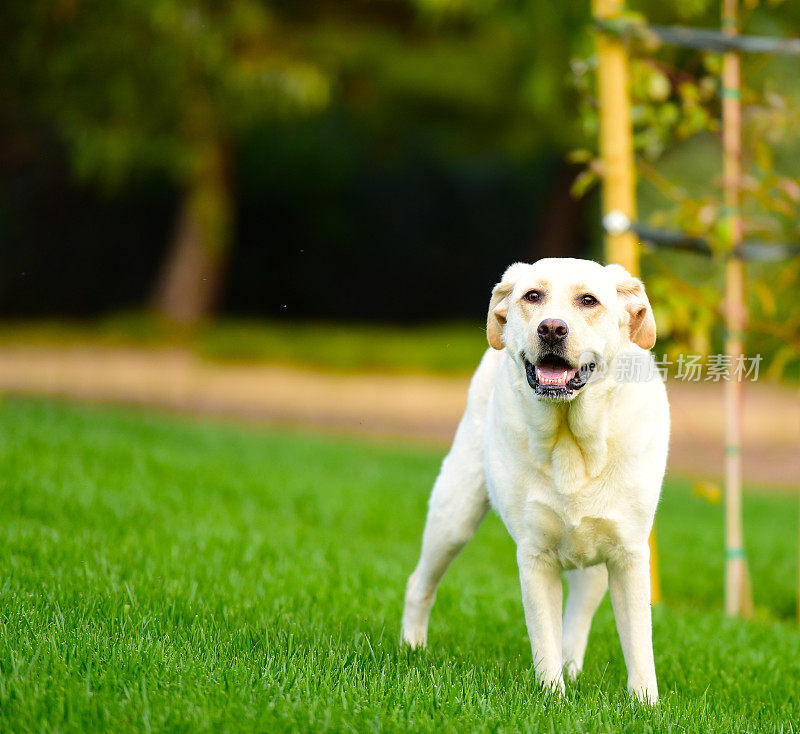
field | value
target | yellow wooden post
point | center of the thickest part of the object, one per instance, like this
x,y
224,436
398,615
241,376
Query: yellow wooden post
x,y
738,597
618,171
616,137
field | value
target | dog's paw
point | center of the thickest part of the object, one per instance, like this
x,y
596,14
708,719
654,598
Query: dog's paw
x,y
557,688
416,611
646,694
415,637
554,686
571,670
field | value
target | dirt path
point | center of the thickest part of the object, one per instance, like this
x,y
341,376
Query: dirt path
x,y
416,407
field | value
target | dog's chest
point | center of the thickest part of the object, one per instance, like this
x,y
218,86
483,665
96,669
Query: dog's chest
x,y
568,462
568,538
566,507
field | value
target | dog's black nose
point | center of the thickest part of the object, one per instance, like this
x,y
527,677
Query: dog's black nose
x,y
552,330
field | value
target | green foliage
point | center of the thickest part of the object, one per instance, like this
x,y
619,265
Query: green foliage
x,y
142,84
164,574
676,117
474,75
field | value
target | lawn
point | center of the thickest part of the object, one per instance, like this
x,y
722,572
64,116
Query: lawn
x,y
439,348
162,573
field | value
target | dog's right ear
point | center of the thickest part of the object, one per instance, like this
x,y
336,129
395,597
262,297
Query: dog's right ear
x,y
498,314
631,291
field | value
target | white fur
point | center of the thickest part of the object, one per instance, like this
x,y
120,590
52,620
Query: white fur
x,y
576,481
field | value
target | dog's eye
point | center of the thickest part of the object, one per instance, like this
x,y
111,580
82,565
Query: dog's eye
x,y
532,296
588,300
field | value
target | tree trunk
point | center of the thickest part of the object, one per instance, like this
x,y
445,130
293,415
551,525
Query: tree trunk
x,y
191,277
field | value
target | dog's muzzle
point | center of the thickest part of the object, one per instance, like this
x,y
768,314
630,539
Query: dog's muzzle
x,y
553,377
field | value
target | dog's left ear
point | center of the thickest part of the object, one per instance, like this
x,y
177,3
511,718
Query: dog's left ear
x,y
631,292
498,314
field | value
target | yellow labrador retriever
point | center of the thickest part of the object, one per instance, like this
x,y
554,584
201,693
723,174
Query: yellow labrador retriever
x,y
568,443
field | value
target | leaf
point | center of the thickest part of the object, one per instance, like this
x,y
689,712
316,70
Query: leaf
x,y
711,492
583,182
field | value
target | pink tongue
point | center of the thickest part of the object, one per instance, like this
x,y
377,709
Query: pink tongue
x,y
554,375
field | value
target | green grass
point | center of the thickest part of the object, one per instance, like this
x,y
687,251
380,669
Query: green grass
x,y
168,574
443,348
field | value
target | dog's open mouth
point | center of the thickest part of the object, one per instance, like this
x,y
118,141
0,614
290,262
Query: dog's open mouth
x,y
554,377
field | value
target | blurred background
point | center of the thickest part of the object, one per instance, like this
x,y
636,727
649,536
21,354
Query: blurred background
x,y
290,214
294,210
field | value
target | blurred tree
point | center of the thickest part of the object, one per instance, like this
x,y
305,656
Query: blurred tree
x,y
474,76
137,85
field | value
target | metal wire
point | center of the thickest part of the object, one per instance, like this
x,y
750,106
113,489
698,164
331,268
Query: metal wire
x,y
701,38
753,251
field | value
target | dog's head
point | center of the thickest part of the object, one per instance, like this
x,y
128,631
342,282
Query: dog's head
x,y
562,319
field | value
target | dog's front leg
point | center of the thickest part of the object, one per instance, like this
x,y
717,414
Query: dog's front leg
x,y
542,599
458,504
629,588
587,587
